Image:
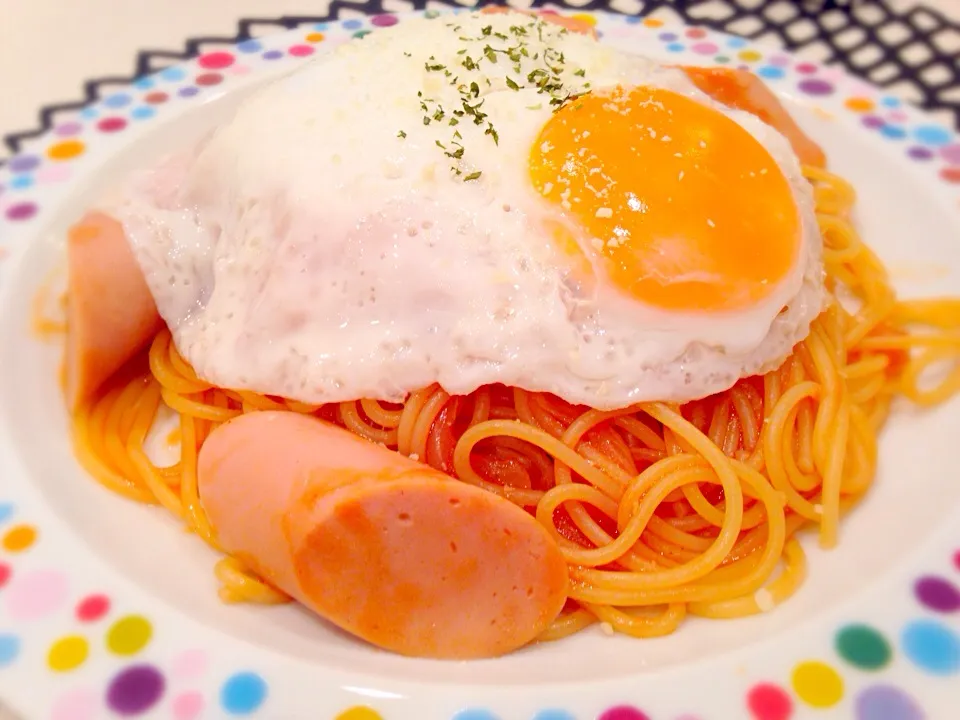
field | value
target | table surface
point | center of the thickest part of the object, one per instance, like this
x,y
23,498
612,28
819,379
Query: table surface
x,y
48,48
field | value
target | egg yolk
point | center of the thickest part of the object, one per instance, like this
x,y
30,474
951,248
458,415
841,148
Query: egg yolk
x,y
682,207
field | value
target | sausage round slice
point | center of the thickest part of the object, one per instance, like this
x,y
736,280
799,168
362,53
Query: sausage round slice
x,y
386,548
111,314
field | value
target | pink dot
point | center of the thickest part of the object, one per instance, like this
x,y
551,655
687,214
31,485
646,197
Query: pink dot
x,y
769,702
705,48
780,60
187,706
36,595
951,153
623,712
4,574
111,124
208,79
92,608
806,68
215,60
68,129
190,664
53,174
301,50
79,704
241,70
897,116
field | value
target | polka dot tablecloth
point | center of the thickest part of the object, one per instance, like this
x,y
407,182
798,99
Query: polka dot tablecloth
x,y
94,646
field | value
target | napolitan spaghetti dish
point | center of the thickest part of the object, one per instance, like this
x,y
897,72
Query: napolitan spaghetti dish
x,y
725,353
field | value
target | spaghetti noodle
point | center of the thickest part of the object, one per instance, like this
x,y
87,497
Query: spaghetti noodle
x,y
660,510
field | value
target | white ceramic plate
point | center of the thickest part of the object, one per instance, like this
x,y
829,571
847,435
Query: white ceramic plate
x,y
109,608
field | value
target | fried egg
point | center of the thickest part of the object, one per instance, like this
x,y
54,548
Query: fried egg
x,y
479,199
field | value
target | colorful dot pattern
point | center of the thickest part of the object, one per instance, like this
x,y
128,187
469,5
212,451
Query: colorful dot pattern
x,y
852,670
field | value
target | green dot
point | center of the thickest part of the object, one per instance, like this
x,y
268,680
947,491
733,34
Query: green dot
x,y
721,59
863,647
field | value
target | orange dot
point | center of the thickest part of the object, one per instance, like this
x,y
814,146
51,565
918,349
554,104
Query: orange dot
x,y
749,55
65,150
359,712
19,538
859,104
652,22
315,37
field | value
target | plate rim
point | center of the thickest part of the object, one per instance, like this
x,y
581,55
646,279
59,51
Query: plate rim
x,y
197,65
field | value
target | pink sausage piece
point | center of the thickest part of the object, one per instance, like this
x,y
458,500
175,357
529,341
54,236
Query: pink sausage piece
x,y
111,314
386,548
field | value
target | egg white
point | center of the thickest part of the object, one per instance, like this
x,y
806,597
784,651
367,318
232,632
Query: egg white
x,y
323,245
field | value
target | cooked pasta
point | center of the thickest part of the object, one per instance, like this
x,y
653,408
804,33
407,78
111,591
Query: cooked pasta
x,y
661,511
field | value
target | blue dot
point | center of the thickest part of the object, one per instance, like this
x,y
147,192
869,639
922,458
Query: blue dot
x,y
243,693
675,47
9,649
88,113
352,24
144,83
475,714
173,74
932,646
894,132
143,112
20,182
320,27
554,715
249,46
632,19
736,42
890,102
117,101
272,55
770,71
932,135
6,511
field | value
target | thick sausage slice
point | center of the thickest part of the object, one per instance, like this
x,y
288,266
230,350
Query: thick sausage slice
x,y
110,311
743,90
388,549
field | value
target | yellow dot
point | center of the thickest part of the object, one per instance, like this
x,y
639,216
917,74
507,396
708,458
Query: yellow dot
x,y
65,150
128,635
19,538
359,712
584,18
817,684
859,104
315,37
749,55
653,22
67,653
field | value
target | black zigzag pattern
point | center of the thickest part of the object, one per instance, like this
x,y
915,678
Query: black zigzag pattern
x,y
914,51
